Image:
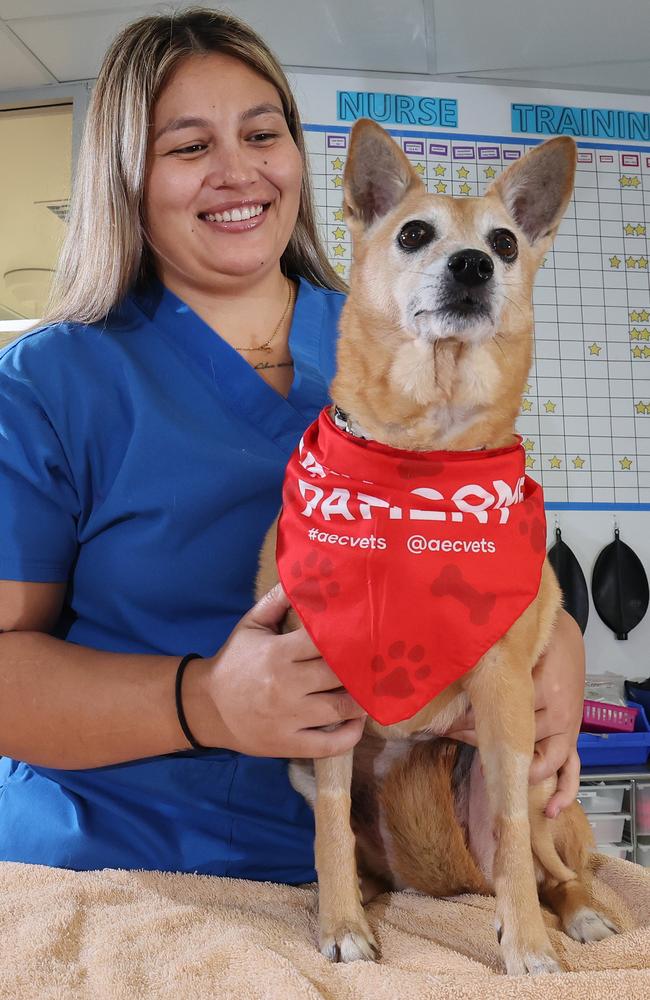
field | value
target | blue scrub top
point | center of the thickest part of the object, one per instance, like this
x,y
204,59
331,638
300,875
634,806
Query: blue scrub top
x,y
141,461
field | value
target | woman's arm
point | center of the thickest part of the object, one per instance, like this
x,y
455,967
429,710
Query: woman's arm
x,y
68,706
559,679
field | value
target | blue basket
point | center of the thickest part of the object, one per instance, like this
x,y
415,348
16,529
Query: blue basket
x,y
606,749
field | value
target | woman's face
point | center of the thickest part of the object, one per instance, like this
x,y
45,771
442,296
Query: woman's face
x,y
223,175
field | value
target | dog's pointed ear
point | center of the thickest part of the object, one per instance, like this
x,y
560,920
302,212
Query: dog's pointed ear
x,y
536,189
377,174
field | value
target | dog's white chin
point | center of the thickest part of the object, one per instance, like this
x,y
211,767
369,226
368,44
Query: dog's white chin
x,y
432,327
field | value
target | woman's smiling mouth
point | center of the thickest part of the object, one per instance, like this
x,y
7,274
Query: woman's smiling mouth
x,y
237,217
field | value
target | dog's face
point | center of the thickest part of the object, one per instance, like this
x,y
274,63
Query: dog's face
x,y
438,267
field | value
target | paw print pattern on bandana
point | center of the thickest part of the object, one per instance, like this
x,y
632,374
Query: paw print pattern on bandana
x,y
536,531
413,470
398,683
314,588
451,583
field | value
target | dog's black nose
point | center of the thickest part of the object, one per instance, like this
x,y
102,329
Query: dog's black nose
x,y
471,267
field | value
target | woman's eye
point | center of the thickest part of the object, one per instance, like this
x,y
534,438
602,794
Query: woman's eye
x,y
504,244
415,234
196,147
263,136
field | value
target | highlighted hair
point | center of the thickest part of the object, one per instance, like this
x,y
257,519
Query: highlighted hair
x,y
105,251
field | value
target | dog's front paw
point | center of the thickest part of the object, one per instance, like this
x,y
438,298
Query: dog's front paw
x,y
525,957
349,941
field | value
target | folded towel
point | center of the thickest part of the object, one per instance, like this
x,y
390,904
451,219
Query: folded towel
x,y
117,935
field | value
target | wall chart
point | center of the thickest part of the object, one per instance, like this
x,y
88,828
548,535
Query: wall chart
x,y
585,417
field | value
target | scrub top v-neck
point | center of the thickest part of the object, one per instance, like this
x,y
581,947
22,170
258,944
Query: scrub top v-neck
x,y
141,462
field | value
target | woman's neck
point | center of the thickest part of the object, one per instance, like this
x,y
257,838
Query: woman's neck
x,y
243,311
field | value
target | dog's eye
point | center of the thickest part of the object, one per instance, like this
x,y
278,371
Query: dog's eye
x,y
504,243
414,235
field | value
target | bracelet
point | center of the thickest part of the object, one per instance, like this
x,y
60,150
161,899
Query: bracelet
x,y
187,732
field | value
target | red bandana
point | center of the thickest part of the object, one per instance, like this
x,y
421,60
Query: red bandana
x,y
405,567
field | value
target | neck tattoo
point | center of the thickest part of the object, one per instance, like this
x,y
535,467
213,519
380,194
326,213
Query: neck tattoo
x,y
263,366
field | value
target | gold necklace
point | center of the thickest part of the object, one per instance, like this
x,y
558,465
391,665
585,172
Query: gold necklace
x,y
266,346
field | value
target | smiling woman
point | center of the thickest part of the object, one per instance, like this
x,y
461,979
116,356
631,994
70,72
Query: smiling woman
x,y
189,341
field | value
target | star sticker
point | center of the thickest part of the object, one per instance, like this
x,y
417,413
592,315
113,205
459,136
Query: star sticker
x,y
644,316
439,171
634,182
338,215
338,233
646,352
463,172
339,251
635,334
339,267
544,262
555,462
337,181
578,462
440,187
635,316
639,407
624,181
527,389
644,334
637,352
337,164
643,263
526,405
465,188
625,462
419,169
530,462
630,262
529,445
549,406
630,230
640,230
490,172
595,349
614,261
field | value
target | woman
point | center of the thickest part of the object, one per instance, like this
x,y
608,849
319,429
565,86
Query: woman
x,y
141,460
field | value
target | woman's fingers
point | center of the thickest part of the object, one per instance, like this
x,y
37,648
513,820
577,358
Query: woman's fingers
x,y
568,782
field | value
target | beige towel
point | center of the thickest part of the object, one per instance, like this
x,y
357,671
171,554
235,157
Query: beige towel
x,y
132,935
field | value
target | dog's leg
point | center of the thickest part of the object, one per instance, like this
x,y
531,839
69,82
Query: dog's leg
x,y
344,932
501,692
559,843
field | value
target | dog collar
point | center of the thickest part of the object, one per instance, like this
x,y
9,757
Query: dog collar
x,y
345,423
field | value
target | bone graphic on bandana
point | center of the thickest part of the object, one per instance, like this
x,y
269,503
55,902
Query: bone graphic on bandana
x,y
397,683
312,590
450,583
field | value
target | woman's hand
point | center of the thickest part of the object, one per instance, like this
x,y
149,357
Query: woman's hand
x,y
559,678
268,694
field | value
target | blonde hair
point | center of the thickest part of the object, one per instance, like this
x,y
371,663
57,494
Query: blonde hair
x,y
105,252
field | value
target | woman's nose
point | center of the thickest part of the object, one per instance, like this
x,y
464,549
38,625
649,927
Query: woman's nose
x,y
232,166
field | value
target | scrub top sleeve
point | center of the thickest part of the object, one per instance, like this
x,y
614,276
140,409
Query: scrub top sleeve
x,y
38,502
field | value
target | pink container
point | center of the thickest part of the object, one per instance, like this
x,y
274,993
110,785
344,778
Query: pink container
x,y
600,717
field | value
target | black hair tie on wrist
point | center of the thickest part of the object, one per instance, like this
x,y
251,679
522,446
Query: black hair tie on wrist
x,y
187,732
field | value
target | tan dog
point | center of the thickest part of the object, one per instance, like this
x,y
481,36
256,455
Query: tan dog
x,y
434,352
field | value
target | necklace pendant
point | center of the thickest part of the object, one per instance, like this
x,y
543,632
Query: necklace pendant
x,y
266,348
